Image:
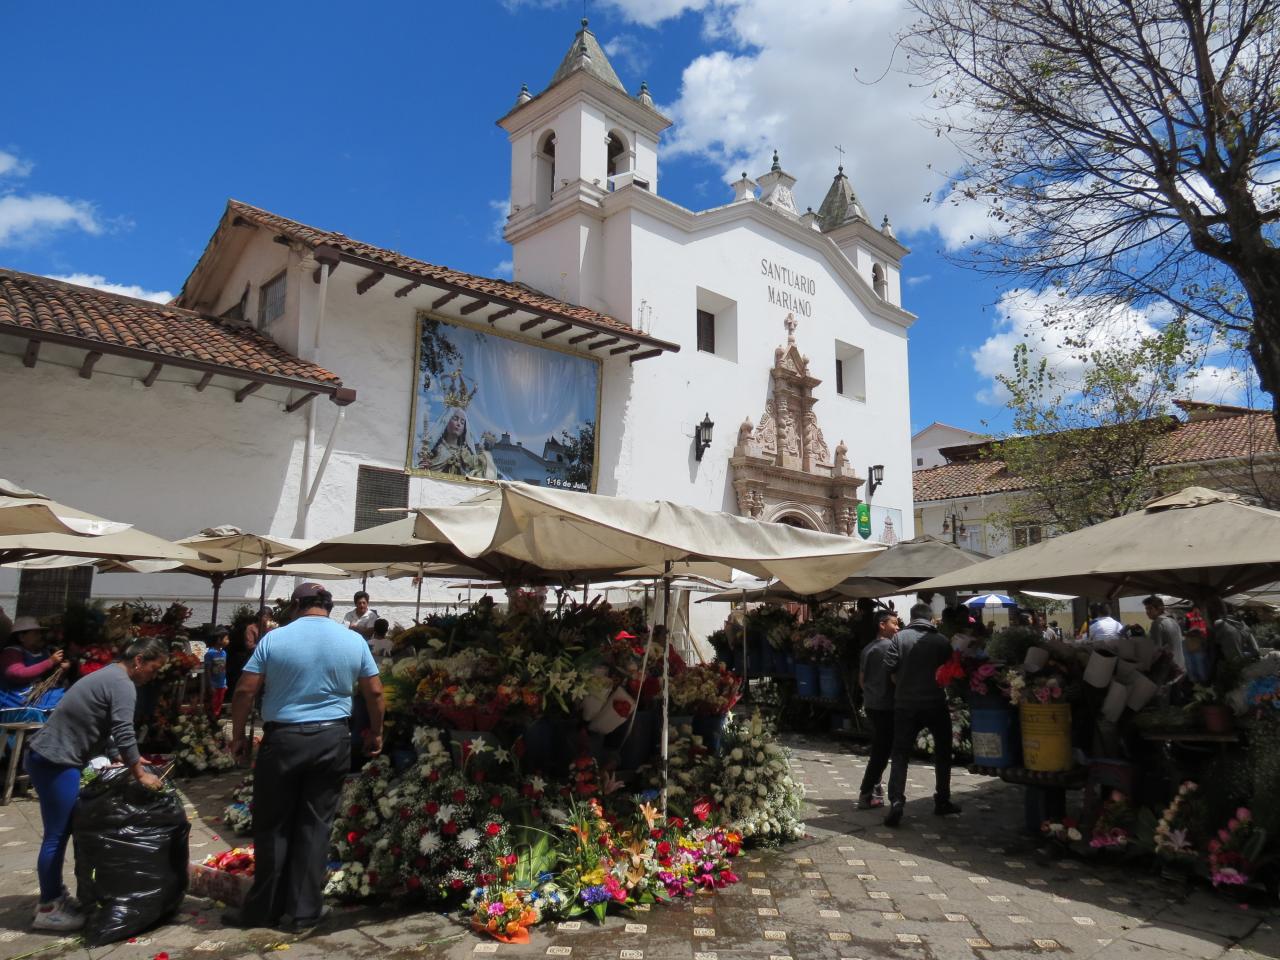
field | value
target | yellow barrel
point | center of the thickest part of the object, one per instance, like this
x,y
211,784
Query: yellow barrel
x,y
1046,736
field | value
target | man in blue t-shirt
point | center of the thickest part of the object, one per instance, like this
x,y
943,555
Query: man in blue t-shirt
x,y
306,671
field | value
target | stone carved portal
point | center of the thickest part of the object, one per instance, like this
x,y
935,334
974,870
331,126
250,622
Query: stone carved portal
x,y
782,467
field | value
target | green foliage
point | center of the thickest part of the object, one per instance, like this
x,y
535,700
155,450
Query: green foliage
x,y
1086,446
579,455
1011,644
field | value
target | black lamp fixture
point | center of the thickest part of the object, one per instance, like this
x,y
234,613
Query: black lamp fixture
x,y
875,477
702,436
954,526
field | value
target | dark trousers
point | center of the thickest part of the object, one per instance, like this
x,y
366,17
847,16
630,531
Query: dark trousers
x,y
297,781
881,748
907,724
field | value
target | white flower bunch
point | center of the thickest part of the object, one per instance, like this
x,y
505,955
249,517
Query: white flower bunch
x,y
199,748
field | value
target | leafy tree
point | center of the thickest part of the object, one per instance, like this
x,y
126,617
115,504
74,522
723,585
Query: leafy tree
x,y
1126,150
434,352
579,455
1087,447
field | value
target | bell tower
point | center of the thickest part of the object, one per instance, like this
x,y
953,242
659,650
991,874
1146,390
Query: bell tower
x,y
580,139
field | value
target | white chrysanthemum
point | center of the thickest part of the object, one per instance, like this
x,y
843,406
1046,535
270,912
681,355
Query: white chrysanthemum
x,y
429,843
468,839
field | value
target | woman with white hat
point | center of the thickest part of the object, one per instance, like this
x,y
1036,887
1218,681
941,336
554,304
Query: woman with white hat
x,y
26,662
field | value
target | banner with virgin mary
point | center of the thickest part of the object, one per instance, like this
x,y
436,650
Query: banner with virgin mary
x,y
487,406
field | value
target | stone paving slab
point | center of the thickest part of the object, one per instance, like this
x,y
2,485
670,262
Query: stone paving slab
x,y
958,888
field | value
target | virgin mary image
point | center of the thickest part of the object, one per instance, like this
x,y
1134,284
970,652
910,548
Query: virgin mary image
x,y
447,448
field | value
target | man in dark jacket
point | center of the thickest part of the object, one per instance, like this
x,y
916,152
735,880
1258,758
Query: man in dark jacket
x,y
913,659
877,700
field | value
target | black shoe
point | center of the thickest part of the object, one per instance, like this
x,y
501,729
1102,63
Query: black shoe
x,y
292,925
895,814
945,808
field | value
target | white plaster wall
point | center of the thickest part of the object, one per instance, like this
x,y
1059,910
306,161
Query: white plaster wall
x,y
673,392
523,159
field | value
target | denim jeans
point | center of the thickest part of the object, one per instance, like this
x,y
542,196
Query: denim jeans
x,y
58,788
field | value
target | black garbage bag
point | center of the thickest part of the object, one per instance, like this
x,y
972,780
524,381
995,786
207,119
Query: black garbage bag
x,y
131,856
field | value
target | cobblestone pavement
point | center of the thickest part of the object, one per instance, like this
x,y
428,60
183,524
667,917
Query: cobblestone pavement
x,y
961,888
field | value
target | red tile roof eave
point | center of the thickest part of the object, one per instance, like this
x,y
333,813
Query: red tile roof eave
x,y
334,390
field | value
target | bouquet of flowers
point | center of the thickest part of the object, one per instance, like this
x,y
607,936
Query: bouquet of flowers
x,y
1042,687
815,647
95,658
1172,836
1113,827
502,909
706,688
1064,832
198,748
238,814
178,666
1237,851
750,783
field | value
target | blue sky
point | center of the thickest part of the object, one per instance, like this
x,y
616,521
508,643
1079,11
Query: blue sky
x,y
124,136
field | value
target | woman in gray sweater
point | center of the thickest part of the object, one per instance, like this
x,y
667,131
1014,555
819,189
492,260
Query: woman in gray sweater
x,y
95,718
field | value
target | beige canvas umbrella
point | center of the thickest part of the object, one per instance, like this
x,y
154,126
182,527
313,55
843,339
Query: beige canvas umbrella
x,y
234,552
24,512
1196,543
549,530
129,544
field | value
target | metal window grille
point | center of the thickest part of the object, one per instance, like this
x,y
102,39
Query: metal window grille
x,y
271,301
43,593
839,375
706,331
376,488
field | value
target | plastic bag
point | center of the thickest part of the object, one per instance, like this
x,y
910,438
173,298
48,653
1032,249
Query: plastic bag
x,y
131,856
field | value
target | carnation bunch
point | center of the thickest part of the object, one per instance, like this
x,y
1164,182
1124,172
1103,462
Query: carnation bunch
x,y
1172,837
709,689
1236,852
1113,827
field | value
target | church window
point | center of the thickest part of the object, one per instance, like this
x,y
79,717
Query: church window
x,y
271,300
545,170
618,157
878,281
706,331
717,325
851,371
378,488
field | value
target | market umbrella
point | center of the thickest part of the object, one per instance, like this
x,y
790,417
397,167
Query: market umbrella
x,y
990,601
24,512
128,544
552,530
1194,543
235,552
910,561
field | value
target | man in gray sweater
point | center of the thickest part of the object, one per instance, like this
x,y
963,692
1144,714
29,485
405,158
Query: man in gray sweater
x,y
913,659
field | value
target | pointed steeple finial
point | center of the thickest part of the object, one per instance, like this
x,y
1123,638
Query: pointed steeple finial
x,y
524,96
886,227
776,164
644,96
839,171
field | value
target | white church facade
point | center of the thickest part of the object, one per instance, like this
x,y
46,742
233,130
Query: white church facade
x,y
749,358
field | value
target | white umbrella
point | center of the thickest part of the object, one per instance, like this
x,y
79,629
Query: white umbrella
x,y
990,601
24,511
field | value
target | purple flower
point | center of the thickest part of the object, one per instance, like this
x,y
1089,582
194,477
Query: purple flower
x,y
594,895
497,908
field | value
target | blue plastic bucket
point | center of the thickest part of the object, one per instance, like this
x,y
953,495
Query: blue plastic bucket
x,y
806,680
994,738
830,683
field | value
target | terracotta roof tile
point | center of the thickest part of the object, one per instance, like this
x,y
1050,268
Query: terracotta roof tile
x,y
314,237
52,306
1231,435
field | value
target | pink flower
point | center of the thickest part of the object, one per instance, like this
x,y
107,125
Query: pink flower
x,y
1243,815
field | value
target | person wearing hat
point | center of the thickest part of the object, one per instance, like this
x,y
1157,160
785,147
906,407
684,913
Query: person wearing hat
x,y
25,663
306,671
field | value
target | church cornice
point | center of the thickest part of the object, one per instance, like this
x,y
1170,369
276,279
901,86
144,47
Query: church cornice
x,y
631,197
876,239
582,85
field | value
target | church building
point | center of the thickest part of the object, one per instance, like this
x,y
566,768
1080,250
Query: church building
x,y
751,357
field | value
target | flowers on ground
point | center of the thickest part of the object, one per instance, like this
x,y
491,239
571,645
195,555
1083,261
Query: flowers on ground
x,y
198,748
1236,851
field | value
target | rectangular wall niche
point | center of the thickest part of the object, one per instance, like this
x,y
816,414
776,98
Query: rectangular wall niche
x,y
724,324
851,371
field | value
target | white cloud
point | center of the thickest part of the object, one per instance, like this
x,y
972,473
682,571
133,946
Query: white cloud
x,y
916,280
1022,317
26,218
628,51
99,282
501,209
782,75
13,166
503,269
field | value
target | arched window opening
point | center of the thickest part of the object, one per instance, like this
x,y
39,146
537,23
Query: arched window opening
x,y
878,281
794,520
545,179
618,158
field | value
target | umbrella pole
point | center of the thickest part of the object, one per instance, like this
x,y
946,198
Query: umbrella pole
x,y
262,594
417,610
216,579
666,676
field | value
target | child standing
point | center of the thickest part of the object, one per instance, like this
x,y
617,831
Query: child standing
x,y
215,670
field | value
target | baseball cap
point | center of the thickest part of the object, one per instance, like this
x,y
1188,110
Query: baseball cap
x,y
623,635
308,591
